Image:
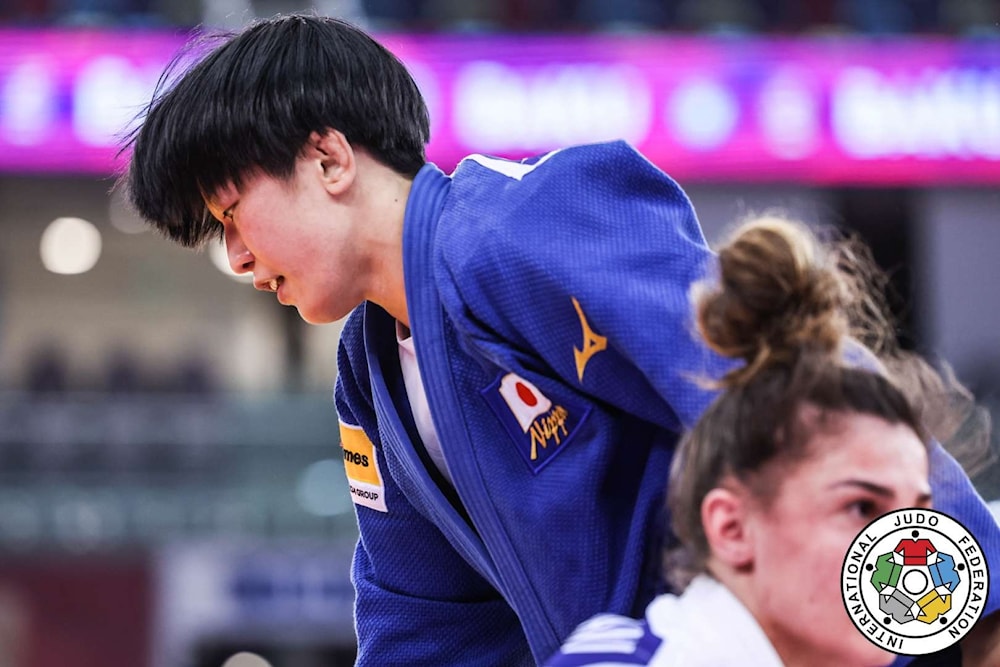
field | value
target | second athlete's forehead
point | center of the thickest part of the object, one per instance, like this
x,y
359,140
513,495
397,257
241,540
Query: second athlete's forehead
x,y
853,442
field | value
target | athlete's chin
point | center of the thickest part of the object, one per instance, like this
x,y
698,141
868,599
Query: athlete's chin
x,y
312,318
319,315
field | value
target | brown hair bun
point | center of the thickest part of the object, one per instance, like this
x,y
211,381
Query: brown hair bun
x,y
778,294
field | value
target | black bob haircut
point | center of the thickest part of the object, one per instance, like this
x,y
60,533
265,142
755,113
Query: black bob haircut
x,y
249,106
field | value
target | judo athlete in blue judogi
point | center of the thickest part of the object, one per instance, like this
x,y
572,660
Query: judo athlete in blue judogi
x,y
518,362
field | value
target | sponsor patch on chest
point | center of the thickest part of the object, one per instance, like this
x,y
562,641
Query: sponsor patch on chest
x,y
361,465
541,426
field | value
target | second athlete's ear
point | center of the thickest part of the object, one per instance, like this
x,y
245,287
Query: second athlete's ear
x,y
335,158
727,530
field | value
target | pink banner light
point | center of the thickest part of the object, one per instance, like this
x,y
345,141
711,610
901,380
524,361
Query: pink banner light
x,y
818,111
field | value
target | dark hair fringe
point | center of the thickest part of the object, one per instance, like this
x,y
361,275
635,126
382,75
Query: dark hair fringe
x,y
249,106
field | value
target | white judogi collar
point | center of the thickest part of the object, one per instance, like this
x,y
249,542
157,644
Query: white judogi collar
x,y
707,626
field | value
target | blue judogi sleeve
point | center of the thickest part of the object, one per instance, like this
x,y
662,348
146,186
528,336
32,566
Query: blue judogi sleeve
x,y
416,599
586,272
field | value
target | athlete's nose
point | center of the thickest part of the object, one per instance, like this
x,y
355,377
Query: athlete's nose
x,y
240,258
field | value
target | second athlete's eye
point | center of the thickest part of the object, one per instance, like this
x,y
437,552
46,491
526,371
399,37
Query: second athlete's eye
x,y
864,509
228,213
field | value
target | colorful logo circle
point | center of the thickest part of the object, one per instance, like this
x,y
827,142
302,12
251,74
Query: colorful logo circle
x,y
914,581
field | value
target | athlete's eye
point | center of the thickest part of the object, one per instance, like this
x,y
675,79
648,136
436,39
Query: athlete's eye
x,y
863,509
228,213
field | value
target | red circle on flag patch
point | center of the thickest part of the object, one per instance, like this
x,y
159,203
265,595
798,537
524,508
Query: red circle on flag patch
x,y
526,395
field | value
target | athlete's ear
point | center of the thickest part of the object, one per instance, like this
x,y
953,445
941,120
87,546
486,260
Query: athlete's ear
x,y
724,516
335,159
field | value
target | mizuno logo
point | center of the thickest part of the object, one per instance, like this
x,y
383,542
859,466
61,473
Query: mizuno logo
x,y
592,342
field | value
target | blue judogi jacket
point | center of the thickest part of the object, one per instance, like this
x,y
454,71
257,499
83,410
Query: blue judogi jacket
x,y
548,302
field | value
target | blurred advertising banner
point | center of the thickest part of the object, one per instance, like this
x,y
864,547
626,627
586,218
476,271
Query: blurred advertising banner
x,y
289,602
820,110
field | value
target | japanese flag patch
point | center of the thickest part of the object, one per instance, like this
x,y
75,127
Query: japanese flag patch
x,y
539,425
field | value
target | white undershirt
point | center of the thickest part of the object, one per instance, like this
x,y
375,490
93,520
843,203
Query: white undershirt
x,y
418,400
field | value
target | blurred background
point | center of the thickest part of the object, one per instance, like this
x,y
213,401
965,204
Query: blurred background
x,y
171,490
